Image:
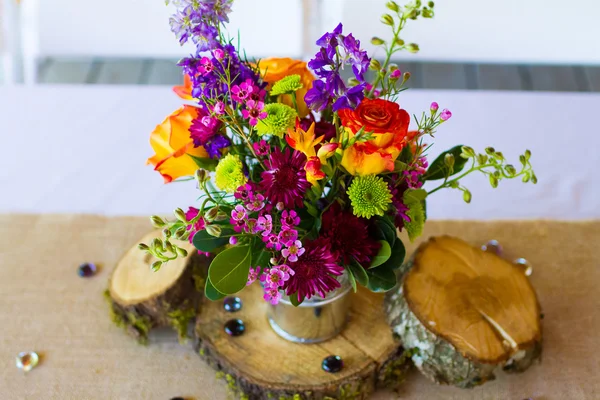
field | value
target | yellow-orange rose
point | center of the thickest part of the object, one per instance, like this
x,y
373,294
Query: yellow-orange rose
x,y
389,125
173,146
275,69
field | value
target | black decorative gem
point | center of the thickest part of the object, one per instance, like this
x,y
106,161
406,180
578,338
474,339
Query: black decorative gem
x,y
86,270
318,311
232,304
332,364
235,327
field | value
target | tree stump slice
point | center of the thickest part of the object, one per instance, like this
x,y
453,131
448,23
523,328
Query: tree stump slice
x,y
461,313
261,365
141,299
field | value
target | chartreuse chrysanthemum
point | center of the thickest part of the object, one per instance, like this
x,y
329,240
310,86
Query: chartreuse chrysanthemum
x,y
369,195
417,221
287,85
229,174
279,119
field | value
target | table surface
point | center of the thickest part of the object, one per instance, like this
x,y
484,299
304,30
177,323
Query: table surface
x,y
46,307
82,149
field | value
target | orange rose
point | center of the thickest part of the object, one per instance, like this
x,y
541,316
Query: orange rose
x,y
275,69
172,144
389,124
185,91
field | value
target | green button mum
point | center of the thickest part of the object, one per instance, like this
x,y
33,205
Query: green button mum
x,y
370,196
279,119
229,174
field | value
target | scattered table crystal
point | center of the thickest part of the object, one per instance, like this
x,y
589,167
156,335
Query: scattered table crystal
x,y
232,304
493,247
235,327
27,360
87,270
526,265
332,364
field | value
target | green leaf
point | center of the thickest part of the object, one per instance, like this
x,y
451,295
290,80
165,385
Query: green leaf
x,y
352,281
414,228
229,270
406,155
384,253
414,196
397,257
312,210
385,230
381,279
205,163
358,273
205,242
212,293
438,168
260,255
295,300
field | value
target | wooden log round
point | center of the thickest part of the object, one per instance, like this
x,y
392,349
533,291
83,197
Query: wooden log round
x,y
462,313
141,299
261,365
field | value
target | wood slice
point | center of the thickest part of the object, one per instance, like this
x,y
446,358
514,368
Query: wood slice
x,y
141,299
260,365
463,312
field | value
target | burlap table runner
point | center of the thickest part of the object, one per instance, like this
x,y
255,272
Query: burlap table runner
x,y
47,307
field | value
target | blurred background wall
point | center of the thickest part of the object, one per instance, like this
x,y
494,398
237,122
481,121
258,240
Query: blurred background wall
x,y
470,44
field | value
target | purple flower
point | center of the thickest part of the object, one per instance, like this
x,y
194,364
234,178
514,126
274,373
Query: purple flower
x,y
285,178
336,51
251,225
244,192
272,242
265,224
198,20
204,131
445,115
254,111
290,218
239,213
241,92
219,108
233,240
261,148
257,203
396,74
206,66
287,271
272,295
277,277
288,236
280,206
293,251
238,226
253,275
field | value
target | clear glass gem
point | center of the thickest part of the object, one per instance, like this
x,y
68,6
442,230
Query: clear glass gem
x,y
493,247
27,360
525,265
235,327
232,304
86,270
332,364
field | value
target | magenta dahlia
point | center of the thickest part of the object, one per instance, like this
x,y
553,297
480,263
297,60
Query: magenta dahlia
x,y
314,272
285,180
348,236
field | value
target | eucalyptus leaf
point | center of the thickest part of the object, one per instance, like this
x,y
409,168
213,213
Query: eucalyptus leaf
x,y
397,257
211,293
260,255
203,241
384,253
359,273
438,168
229,270
381,279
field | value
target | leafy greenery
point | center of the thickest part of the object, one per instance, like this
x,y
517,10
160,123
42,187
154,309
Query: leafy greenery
x,y
211,292
204,241
397,257
228,272
381,279
440,168
358,273
384,253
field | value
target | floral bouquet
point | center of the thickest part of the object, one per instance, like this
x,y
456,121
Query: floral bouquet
x,y
305,174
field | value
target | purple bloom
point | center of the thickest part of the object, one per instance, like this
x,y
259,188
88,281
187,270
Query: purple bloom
x,y
257,203
265,224
204,131
253,275
279,206
206,66
251,225
198,20
434,107
272,295
239,213
445,115
336,51
233,240
290,218
287,271
238,226
285,178
244,192
293,251
261,148
241,92
254,111
288,236
219,108
272,242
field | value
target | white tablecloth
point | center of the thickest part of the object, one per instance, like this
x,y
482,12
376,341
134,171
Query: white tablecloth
x,y
82,149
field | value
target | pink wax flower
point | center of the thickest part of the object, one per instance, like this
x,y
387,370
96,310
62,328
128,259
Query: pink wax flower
x,y
273,242
253,275
293,251
206,66
265,224
219,108
257,203
254,111
445,115
288,236
241,92
290,218
218,54
272,295
261,148
434,107
396,74
233,240
239,213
